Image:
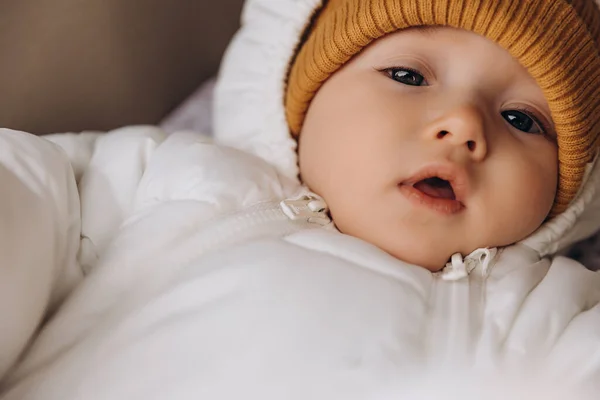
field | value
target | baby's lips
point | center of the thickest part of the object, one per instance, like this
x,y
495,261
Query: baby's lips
x,y
451,172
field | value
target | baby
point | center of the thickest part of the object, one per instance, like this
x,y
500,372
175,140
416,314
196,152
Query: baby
x,y
448,148
432,140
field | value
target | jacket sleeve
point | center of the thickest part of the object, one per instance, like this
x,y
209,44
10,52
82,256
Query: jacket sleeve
x,y
108,169
124,174
39,237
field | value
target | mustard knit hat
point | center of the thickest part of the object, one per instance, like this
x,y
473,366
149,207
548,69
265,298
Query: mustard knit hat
x,y
557,41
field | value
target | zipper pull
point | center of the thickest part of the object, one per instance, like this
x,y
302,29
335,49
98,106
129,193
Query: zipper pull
x,y
308,208
459,268
456,269
483,258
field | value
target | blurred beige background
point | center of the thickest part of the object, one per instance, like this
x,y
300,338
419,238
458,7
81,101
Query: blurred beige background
x,y
72,65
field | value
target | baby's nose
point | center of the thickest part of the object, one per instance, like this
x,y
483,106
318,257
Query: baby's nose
x,y
464,128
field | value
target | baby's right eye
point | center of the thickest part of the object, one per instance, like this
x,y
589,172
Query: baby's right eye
x,y
407,76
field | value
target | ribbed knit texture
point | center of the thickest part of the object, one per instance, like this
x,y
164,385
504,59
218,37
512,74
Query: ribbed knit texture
x,y
557,41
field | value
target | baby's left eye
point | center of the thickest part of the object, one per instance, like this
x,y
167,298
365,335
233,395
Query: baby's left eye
x,y
523,122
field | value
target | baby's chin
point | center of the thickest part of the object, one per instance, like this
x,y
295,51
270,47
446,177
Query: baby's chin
x,y
430,254
427,246
426,255
425,258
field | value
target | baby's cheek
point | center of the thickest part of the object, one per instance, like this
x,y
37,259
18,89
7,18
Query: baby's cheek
x,y
541,189
341,216
532,202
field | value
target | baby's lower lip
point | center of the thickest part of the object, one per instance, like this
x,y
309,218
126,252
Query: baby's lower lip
x,y
441,206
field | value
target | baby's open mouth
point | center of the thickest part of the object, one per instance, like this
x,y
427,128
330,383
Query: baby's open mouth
x,y
435,187
439,187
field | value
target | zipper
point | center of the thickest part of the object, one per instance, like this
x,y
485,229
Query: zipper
x,y
263,220
458,296
266,219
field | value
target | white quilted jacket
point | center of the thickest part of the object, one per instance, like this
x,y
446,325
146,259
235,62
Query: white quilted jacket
x,y
186,277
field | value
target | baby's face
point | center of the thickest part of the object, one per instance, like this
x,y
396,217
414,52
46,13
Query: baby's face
x,y
429,143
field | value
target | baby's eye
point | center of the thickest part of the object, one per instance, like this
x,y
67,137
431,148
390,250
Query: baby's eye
x,y
407,76
523,122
